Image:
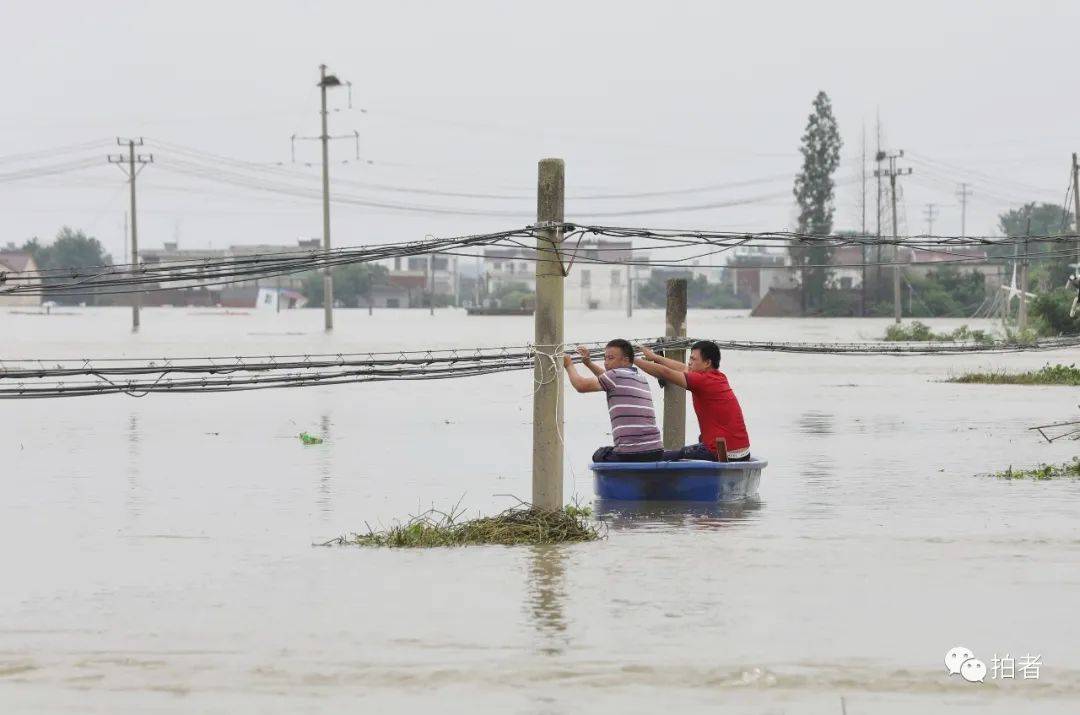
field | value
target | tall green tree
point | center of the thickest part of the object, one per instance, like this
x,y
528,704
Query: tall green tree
x,y
1040,219
814,193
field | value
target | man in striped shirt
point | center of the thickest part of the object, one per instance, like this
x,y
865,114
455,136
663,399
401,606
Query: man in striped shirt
x,y
629,401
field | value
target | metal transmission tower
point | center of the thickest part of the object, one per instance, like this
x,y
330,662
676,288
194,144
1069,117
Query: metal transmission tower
x,y
135,163
963,193
892,172
930,213
327,81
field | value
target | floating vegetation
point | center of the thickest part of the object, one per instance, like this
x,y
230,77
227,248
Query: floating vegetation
x,y
522,524
1043,471
918,332
1046,375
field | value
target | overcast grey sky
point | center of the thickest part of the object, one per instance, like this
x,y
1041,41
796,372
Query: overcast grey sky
x,y
465,96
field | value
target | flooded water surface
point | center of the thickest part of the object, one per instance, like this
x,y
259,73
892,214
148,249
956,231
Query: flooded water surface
x,y
157,551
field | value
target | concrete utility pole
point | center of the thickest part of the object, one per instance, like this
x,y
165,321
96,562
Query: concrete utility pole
x,y
930,213
862,248
1023,315
879,156
892,172
479,277
132,160
629,291
431,284
547,476
674,396
325,81
963,193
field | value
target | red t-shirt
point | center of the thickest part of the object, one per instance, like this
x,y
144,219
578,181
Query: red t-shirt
x,y
718,411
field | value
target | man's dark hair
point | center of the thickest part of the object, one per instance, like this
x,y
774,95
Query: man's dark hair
x,y
709,351
625,346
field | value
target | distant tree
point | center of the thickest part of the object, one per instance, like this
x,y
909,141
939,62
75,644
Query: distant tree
x,y
71,249
1039,219
699,293
353,284
947,292
814,193
1050,313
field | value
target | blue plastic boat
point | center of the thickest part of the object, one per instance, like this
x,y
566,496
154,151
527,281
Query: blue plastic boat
x,y
685,480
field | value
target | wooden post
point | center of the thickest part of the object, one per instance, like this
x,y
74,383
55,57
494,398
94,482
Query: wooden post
x,y
547,477
674,396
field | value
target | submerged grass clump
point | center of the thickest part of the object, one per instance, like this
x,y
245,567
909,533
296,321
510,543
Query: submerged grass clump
x,y
1046,375
917,331
1043,471
518,525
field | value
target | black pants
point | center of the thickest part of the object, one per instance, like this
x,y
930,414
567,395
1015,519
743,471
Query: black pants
x,y
697,451
608,454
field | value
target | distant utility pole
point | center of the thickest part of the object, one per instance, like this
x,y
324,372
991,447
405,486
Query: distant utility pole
x,y
930,213
133,160
629,293
879,156
327,81
431,284
1076,204
892,172
862,173
862,247
963,193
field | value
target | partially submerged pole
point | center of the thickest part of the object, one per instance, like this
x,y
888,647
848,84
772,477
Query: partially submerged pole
x,y
1076,203
328,280
1022,319
896,248
547,476
674,396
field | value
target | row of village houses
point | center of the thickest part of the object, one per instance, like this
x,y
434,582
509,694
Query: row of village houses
x,y
597,280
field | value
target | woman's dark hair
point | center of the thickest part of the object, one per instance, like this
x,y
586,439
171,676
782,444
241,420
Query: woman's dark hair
x,y
625,346
709,351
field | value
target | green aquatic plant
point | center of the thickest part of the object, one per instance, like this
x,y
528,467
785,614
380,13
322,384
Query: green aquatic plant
x,y
522,524
1046,375
917,331
1043,472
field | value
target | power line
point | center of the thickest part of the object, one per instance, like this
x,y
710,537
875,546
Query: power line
x,y
81,147
232,374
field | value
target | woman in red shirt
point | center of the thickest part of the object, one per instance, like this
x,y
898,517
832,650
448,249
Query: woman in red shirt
x,y
718,411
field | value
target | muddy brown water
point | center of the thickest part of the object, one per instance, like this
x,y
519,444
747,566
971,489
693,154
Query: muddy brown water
x,y
157,551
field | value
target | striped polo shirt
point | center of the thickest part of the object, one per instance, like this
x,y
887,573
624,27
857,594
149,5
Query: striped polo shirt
x,y
630,406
